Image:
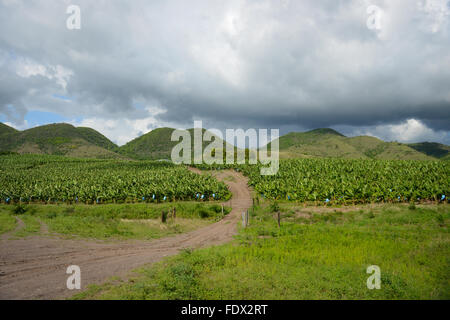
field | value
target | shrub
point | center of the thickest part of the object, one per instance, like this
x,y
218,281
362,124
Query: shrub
x,y
274,207
69,210
216,208
203,213
164,216
20,209
51,215
440,219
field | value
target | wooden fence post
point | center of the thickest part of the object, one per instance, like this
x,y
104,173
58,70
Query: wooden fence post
x,y
246,218
279,219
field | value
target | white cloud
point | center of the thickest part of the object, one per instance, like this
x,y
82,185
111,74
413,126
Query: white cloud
x,y
23,126
237,63
438,14
62,75
26,68
410,131
121,131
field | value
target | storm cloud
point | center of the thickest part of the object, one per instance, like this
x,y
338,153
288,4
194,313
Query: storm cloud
x,y
294,65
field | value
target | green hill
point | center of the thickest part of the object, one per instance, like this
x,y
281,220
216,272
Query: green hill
x,y
322,131
433,149
59,139
96,138
156,144
65,139
329,143
316,143
4,129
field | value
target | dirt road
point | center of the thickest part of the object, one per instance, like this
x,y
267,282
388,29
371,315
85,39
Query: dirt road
x,y
35,267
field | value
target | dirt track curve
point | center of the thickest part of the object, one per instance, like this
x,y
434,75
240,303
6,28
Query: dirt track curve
x,y
35,267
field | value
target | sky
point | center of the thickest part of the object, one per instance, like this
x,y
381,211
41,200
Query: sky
x,y
362,67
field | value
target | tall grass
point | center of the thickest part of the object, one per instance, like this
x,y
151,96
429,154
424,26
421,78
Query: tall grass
x,y
324,256
121,221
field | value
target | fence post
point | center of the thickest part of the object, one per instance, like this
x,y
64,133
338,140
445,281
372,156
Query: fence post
x,y
279,219
246,218
174,213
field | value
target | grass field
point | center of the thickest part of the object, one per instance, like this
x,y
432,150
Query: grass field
x,y
7,222
318,253
113,221
338,217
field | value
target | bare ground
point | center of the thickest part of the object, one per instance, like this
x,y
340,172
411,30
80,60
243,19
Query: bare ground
x,y
35,267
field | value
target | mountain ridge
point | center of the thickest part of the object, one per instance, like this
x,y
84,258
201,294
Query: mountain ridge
x,y
157,144
58,139
66,139
328,143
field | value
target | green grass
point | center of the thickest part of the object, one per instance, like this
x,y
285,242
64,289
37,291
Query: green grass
x,y
99,228
32,226
7,222
314,255
24,213
113,221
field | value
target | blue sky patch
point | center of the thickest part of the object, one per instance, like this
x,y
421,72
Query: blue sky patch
x,y
61,97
